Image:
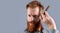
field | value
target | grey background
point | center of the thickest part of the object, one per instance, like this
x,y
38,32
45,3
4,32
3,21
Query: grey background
x,y
13,14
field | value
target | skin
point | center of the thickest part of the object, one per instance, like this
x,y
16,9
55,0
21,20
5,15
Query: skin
x,y
31,12
44,16
31,25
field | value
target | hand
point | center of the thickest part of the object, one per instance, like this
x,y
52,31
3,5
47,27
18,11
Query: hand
x,y
46,18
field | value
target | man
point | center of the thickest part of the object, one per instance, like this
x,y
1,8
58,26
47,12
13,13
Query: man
x,y
35,17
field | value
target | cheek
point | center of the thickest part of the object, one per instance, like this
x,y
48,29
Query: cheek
x,y
29,18
28,12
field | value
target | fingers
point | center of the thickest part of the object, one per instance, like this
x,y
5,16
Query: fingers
x,y
42,17
46,13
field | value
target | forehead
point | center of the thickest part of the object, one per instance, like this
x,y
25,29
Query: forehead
x,y
35,8
33,11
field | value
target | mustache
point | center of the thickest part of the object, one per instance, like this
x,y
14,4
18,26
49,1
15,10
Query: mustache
x,y
35,19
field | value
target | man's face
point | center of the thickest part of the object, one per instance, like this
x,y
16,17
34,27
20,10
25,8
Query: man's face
x,y
31,12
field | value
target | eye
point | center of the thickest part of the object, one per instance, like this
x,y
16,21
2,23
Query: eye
x,y
29,15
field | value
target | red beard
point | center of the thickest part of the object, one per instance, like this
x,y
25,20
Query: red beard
x,y
34,26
